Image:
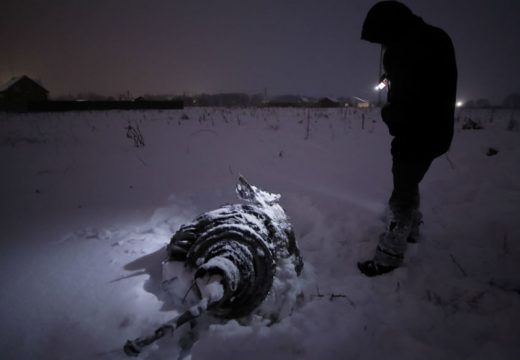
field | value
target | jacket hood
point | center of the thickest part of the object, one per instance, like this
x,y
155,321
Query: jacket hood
x,y
387,22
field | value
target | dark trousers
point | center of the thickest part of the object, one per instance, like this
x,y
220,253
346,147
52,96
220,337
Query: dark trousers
x,y
404,212
407,174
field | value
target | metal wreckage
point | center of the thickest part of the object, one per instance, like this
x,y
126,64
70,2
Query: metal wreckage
x,y
230,259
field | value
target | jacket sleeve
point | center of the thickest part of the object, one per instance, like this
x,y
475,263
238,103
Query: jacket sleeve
x,y
404,72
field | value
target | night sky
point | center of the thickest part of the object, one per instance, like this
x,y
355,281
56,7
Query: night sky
x,y
281,46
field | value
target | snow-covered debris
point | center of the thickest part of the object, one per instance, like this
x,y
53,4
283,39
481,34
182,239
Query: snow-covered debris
x,y
235,256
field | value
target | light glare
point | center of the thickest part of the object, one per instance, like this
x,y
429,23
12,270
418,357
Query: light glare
x,y
380,86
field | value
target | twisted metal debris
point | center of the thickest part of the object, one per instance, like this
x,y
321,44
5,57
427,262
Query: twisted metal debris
x,y
233,253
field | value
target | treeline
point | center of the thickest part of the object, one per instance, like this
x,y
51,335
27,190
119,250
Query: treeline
x,y
255,100
218,100
510,101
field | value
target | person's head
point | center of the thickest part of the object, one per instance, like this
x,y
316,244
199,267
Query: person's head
x,y
387,22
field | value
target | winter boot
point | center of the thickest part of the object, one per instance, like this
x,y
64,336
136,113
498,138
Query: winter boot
x,y
391,248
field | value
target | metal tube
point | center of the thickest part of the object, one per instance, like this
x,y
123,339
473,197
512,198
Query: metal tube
x,y
134,347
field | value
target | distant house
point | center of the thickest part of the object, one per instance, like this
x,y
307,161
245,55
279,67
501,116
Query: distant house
x,y
361,103
17,93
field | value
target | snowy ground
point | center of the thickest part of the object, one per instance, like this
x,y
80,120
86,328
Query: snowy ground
x,y
85,216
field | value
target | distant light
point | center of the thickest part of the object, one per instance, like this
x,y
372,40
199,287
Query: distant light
x,y
459,104
381,85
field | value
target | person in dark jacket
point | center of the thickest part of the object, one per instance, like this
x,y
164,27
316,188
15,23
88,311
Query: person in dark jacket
x,y
421,74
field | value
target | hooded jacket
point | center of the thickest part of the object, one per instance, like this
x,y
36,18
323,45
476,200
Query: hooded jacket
x,y
419,63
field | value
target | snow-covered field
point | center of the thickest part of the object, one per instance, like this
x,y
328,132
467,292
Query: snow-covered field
x,y
85,216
